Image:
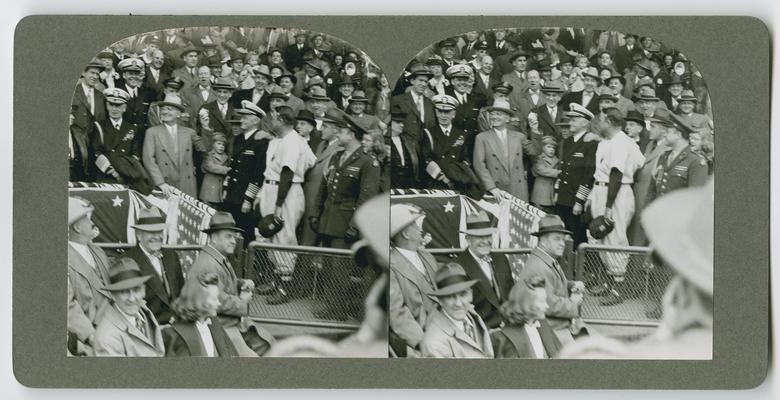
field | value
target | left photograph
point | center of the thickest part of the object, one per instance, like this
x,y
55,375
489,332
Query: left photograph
x,y
228,197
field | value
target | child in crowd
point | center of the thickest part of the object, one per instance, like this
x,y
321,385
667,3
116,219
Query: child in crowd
x,y
215,168
546,171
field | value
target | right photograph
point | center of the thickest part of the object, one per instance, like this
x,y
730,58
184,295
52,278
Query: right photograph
x,y
551,197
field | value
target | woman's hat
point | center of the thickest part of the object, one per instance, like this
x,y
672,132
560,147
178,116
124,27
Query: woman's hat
x,y
125,274
680,226
222,220
451,279
479,224
551,223
150,220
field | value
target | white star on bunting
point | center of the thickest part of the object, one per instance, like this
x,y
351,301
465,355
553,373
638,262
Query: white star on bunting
x,y
449,207
117,201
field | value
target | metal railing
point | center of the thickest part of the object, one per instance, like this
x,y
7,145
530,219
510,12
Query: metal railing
x,y
327,288
641,290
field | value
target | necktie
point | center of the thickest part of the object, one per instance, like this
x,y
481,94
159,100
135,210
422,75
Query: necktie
x,y
420,107
163,276
90,100
223,110
446,132
470,331
553,112
140,323
116,125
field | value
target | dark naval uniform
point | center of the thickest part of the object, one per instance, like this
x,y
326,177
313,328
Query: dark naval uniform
x,y
122,147
243,181
443,149
578,163
349,184
686,170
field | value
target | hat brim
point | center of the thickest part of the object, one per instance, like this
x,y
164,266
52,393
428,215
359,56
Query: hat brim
x,y
554,230
453,289
556,90
421,73
150,227
309,120
502,109
217,86
175,105
662,217
596,77
128,283
480,231
224,228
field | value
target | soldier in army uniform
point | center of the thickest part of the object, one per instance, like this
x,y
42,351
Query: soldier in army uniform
x,y
681,167
247,165
351,179
578,163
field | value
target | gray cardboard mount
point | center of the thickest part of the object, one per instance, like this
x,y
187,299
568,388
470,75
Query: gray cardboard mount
x,y
732,53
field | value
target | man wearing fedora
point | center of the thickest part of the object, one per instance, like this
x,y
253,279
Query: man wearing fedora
x,y
680,227
247,164
498,155
454,329
563,296
222,109
517,78
617,159
550,113
189,71
280,200
168,150
578,163
418,108
161,265
260,94
343,94
588,96
128,328
357,107
293,54
88,102
412,273
87,276
303,78
234,293
490,271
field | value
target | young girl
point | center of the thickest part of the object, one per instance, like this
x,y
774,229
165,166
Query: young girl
x,y
546,172
215,168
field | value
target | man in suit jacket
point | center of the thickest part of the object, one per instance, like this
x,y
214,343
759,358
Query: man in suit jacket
x,y
497,43
234,293
128,328
162,265
87,276
81,157
563,296
88,103
498,155
624,55
198,95
404,155
155,75
578,163
418,108
686,106
219,111
327,147
412,273
531,99
526,333
453,329
306,76
168,150
491,271
259,95
517,78
550,113
293,54
486,77
189,71
588,96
